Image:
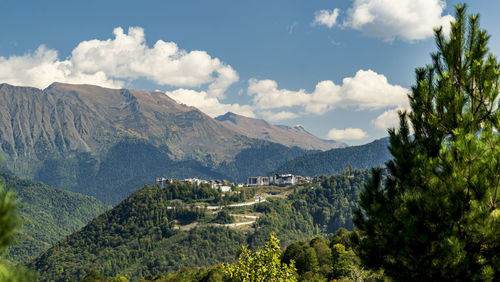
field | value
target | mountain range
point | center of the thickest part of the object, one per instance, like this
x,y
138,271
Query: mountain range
x,y
107,142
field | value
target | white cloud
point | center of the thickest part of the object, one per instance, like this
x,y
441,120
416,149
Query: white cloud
x,y
326,17
346,134
124,57
208,104
42,67
388,119
366,90
282,115
409,20
268,96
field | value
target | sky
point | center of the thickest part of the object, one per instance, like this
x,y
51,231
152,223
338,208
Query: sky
x,y
342,69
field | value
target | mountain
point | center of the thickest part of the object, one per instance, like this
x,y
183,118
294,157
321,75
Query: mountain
x,y
141,236
366,156
47,215
289,136
88,118
106,142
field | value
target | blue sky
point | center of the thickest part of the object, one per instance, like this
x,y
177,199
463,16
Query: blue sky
x,y
341,73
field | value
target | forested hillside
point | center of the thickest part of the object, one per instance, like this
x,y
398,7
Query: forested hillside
x,y
259,159
141,235
47,215
132,163
366,156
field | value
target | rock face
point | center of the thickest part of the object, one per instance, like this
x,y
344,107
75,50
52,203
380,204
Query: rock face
x,y
108,142
285,135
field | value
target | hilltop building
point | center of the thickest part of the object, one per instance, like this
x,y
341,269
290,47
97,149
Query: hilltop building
x,y
221,185
277,179
258,181
162,181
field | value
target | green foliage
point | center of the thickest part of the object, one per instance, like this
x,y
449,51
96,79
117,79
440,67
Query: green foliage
x,y
332,202
196,193
211,274
324,260
138,237
223,217
336,160
95,276
47,214
436,216
343,261
262,265
8,216
303,255
8,223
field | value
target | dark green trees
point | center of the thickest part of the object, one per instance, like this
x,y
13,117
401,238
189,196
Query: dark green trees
x,y
436,217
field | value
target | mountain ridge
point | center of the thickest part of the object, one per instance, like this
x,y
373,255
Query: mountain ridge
x,y
283,134
333,161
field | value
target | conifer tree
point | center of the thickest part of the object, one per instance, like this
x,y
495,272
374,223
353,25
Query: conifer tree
x,y
436,216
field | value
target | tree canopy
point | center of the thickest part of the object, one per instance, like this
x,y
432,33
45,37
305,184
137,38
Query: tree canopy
x,y
262,265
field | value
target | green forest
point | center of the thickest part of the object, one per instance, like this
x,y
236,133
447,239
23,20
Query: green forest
x,y
333,161
139,237
47,215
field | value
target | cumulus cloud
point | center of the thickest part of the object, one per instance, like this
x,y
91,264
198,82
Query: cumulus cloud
x,y
326,17
388,119
346,134
207,103
282,115
367,90
409,20
124,57
268,96
42,67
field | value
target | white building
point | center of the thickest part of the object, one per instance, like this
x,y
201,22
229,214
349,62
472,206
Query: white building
x,y
258,181
283,179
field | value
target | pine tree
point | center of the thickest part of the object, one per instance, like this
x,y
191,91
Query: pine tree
x,y
436,216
